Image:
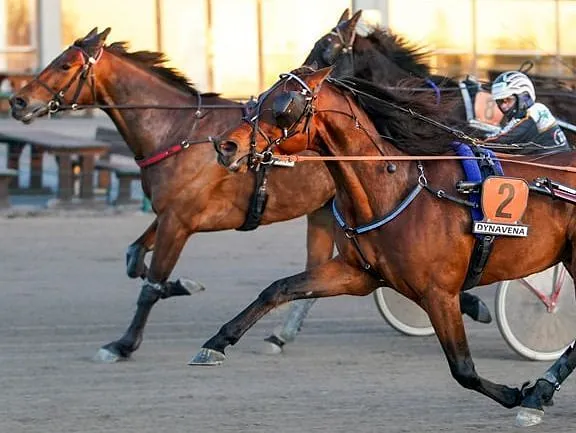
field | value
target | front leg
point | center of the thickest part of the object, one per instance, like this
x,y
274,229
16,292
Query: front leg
x,y
540,394
172,236
444,312
333,278
135,266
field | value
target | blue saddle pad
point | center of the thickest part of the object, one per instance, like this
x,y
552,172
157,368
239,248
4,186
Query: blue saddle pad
x,y
474,174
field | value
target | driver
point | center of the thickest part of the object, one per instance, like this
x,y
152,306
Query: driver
x,y
530,127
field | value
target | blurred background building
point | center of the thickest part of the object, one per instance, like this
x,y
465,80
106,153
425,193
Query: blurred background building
x,y
238,47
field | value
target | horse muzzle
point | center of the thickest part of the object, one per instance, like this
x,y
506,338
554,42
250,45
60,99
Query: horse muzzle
x,y
26,112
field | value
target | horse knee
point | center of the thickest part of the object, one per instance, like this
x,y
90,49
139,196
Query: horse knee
x,y
465,374
271,294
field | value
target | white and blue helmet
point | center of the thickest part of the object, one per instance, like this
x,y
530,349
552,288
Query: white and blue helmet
x,y
512,83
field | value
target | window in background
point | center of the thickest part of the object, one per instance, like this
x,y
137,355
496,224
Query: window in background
x,y
512,31
234,48
567,34
133,21
184,38
18,44
288,37
444,27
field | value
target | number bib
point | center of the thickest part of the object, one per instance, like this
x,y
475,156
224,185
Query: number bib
x,y
504,200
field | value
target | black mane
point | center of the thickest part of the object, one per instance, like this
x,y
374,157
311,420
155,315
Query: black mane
x,y
410,134
384,57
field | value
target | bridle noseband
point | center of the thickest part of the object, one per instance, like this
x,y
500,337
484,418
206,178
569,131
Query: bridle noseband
x,y
82,75
255,158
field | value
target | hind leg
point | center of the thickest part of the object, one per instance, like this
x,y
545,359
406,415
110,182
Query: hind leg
x,y
172,236
320,248
333,278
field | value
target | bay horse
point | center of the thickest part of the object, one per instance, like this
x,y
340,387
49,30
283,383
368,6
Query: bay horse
x,y
394,231
156,109
385,58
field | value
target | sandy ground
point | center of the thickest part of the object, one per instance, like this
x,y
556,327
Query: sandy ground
x,y
65,293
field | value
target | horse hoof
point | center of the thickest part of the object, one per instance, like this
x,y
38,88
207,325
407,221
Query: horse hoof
x,y
191,286
207,357
269,348
527,417
106,356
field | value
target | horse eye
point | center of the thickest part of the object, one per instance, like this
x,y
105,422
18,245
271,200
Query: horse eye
x,y
66,66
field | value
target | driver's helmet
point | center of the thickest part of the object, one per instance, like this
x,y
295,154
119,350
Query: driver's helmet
x,y
514,83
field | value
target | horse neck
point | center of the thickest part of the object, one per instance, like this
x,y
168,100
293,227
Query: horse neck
x,y
365,189
144,130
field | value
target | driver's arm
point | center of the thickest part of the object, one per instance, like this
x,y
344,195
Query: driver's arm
x,y
522,132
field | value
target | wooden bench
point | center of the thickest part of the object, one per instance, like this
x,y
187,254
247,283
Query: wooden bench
x,y
65,148
6,175
125,172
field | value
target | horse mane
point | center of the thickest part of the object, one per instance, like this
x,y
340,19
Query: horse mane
x,y
408,133
155,62
396,49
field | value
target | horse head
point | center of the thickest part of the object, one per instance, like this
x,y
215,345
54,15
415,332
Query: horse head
x,y
282,121
336,47
67,81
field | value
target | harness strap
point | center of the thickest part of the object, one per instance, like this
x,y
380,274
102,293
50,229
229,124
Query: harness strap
x,y
166,153
436,89
352,232
258,201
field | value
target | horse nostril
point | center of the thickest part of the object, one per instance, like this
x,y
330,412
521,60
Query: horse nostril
x,y
17,102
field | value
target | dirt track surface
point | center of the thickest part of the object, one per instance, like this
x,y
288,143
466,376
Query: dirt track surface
x,y
65,293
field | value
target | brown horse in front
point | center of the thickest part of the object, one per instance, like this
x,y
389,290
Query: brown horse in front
x,y
154,108
424,251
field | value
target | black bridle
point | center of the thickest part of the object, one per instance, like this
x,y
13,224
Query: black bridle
x,y
343,48
81,76
266,157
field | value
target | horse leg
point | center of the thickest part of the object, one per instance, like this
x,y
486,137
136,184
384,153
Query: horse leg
x,y
475,308
135,266
320,247
444,312
171,238
332,278
540,394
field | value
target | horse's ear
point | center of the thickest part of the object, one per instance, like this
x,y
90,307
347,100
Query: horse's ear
x,y
354,20
318,77
102,36
348,29
344,17
91,33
